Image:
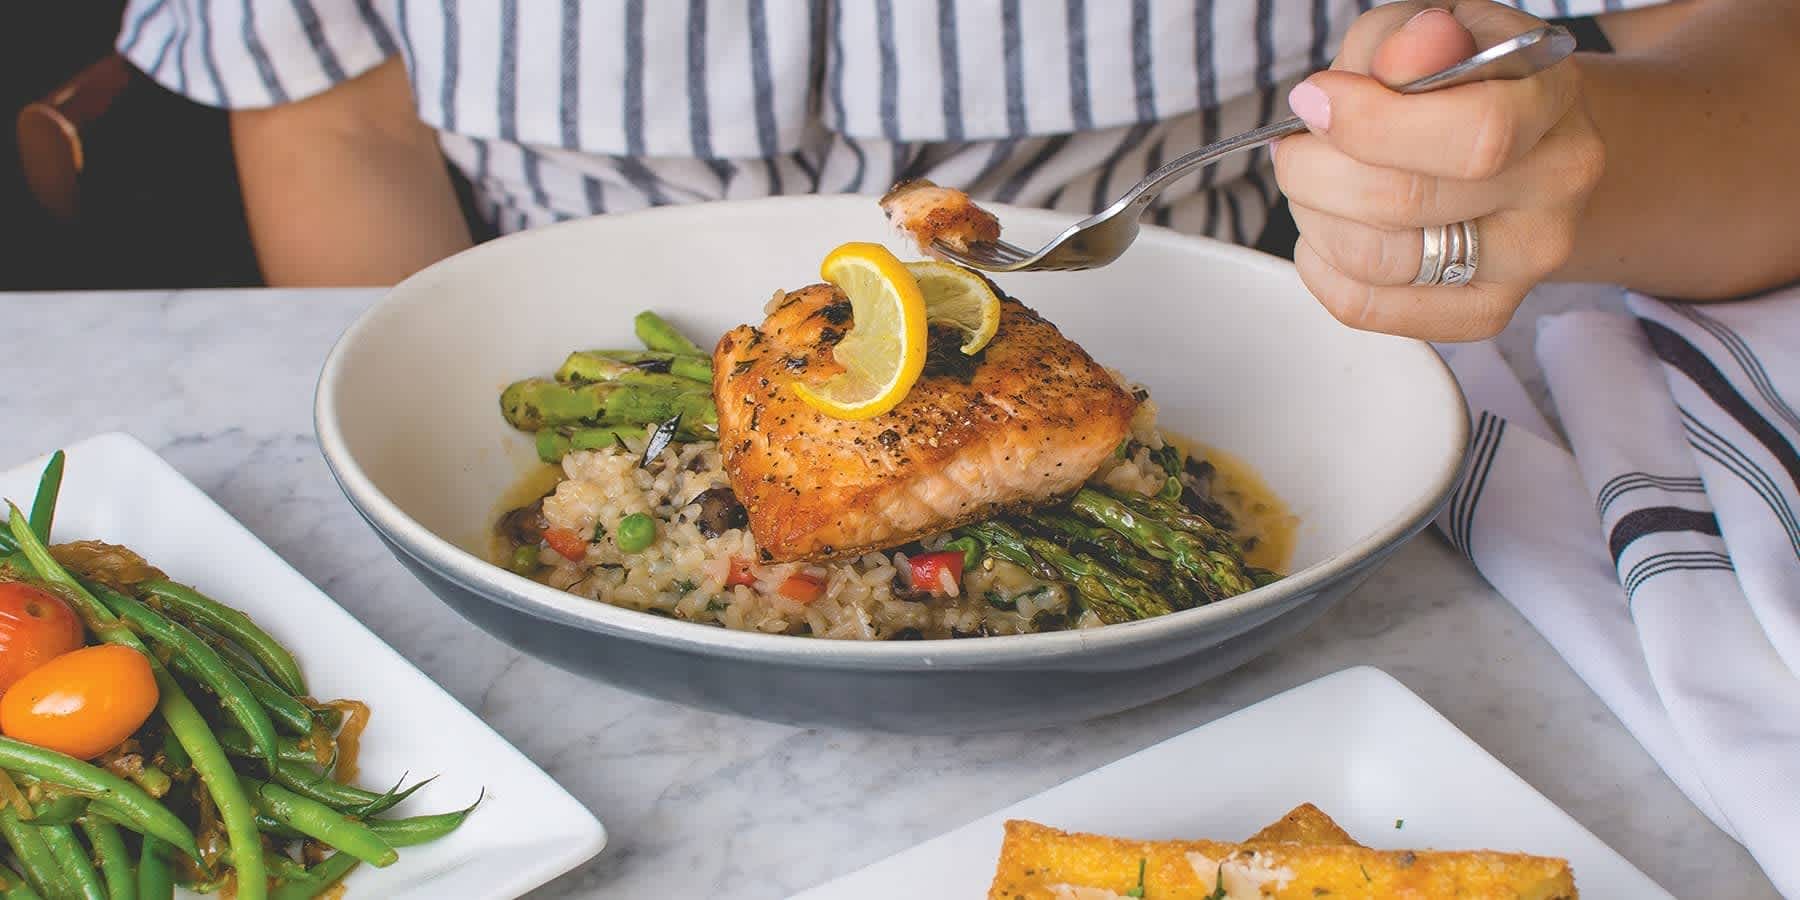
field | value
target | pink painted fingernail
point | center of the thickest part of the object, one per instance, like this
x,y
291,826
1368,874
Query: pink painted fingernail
x,y
1311,105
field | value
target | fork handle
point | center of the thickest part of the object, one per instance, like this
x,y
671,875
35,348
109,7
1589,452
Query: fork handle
x,y
1518,57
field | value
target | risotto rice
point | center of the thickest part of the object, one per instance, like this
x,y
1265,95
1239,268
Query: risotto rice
x,y
686,574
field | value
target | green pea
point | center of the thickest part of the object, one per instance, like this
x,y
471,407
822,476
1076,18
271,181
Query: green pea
x,y
636,532
525,559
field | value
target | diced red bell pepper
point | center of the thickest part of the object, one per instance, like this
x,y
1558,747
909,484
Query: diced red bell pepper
x,y
927,569
740,573
566,542
802,587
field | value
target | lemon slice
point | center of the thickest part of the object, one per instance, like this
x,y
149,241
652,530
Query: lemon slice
x,y
956,296
884,351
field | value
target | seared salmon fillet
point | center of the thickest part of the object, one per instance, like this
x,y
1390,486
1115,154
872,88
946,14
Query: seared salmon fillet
x,y
929,213
1026,420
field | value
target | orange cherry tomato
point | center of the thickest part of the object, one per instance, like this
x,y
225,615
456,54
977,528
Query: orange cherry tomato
x,y
81,703
36,626
566,542
802,587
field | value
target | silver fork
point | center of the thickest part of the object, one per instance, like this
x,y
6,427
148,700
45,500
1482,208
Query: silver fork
x,y
1101,238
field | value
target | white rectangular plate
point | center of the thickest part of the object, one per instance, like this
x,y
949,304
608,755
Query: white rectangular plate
x,y
1391,770
527,830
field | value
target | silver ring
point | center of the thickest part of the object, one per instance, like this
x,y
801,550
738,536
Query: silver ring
x,y
1450,255
1431,260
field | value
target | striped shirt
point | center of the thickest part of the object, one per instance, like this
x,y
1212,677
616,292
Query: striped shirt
x,y
556,109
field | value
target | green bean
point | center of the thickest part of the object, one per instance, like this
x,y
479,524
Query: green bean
x,y
658,334
175,759
43,508
318,786
273,828
191,604
154,781
233,694
139,808
178,712
283,867
40,866
319,878
115,862
283,710
283,707
234,656
59,810
394,797
78,869
16,887
420,829
635,533
290,750
321,822
154,881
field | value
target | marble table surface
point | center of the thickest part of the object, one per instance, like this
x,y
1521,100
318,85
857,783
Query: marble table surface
x,y
702,805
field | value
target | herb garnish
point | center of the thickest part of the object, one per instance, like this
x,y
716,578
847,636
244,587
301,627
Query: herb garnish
x,y
599,533
1399,824
684,587
1218,887
1365,871
660,440
1139,890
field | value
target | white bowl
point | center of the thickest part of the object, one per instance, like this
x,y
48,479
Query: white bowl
x,y
1363,435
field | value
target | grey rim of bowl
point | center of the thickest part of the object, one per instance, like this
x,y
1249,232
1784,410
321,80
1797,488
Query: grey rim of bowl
x,y
524,595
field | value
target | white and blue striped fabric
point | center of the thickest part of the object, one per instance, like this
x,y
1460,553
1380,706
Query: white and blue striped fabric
x,y
563,108
1660,552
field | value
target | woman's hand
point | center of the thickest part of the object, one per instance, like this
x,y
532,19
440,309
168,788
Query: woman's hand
x,y
1518,157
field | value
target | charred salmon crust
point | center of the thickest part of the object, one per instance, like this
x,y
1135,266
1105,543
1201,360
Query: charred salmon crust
x,y
1028,423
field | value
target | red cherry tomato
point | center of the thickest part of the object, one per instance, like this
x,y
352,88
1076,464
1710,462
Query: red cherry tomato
x,y
81,703
36,626
566,542
740,573
928,569
802,587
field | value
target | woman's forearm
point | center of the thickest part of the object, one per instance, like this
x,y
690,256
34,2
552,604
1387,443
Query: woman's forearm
x,y
1701,196
347,187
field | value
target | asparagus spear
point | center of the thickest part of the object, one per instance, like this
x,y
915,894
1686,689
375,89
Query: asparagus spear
x,y
552,445
1110,546
636,399
611,365
1114,597
1180,517
606,436
1217,572
588,365
658,334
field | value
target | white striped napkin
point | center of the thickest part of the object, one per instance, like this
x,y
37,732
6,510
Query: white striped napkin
x,y
1661,558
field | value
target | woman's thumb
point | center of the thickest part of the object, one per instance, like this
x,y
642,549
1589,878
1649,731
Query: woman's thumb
x,y
1429,41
